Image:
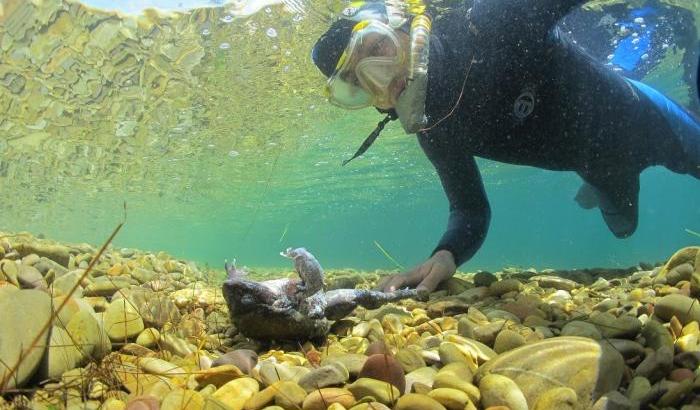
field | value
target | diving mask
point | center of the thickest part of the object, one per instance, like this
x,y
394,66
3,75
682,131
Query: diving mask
x,y
370,70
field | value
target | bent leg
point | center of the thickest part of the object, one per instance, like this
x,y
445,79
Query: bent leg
x,y
682,153
617,197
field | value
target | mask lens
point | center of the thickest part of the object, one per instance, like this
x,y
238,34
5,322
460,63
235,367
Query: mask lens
x,y
373,59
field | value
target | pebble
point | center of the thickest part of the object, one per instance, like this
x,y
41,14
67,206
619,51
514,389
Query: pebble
x,y
410,360
148,337
27,310
504,286
625,327
122,321
565,361
414,401
244,359
558,398
555,282
382,392
180,399
498,390
30,278
451,399
319,399
656,365
236,392
684,308
582,329
324,376
484,278
508,340
386,368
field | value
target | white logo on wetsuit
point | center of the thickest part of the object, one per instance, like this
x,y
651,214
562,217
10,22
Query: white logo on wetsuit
x,y
524,105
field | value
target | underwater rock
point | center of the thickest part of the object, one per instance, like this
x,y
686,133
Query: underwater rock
x,y
588,367
323,398
244,359
122,321
291,309
27,310
684,308
386,368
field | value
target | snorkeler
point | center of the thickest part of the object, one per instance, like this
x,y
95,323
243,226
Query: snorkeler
x,y
496,79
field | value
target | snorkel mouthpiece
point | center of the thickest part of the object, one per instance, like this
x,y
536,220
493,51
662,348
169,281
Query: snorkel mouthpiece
x,y
391,116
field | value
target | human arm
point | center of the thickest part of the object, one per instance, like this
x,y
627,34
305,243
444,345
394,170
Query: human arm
x,y
468,220
525,21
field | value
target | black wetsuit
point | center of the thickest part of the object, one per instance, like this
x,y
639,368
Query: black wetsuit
x,y
532,97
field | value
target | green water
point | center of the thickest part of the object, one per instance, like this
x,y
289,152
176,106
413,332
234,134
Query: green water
x,y
233,152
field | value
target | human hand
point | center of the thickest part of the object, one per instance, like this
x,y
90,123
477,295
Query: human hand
x,y
425,277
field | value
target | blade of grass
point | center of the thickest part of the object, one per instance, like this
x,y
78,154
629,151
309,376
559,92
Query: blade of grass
x,y
389,257
693,232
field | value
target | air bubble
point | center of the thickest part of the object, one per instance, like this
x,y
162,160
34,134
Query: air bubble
x,y
206,32
224,46
268,10
639,20
611,56
635,41
271,32
227,19
233,154
645,56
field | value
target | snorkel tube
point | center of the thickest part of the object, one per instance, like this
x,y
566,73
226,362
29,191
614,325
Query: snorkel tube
x,y
410,105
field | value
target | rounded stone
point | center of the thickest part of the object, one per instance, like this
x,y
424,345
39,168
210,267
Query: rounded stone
x,y
558,398
678,375
410,360
582,329
505,286
623,327
588,367
452,399
324,376
122,321
656,365
180,399
507,340
414,401
143,403
24,313
484,278
236,392
148,337
62,354
244,359
497,390
684,308
319,399
382,392
352,361
386,368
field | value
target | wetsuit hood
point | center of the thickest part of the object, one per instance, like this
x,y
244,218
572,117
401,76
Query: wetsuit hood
x,y
330,46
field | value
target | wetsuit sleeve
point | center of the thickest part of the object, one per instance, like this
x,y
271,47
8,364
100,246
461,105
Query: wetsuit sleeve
x,y
469,208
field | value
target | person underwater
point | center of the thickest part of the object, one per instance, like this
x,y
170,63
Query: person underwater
x,y
497,79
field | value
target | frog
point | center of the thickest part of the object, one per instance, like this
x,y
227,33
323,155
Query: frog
x,y
296,308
